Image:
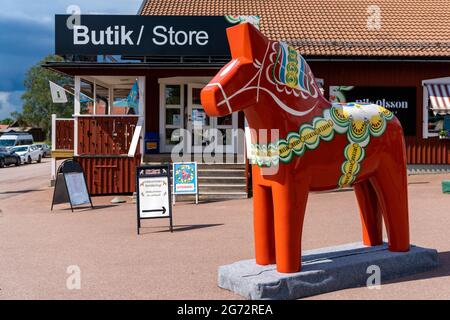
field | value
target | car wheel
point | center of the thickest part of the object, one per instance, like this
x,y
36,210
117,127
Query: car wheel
x,y
2,163
29,160
17,162
39,159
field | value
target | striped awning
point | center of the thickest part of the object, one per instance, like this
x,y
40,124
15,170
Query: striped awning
x,y
439,97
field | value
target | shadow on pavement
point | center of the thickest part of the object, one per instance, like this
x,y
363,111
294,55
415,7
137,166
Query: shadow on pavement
x,y
180,228
86,208
20,191
442,271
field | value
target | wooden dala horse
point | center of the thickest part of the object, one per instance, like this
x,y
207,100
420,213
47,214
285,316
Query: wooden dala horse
x,y
321,146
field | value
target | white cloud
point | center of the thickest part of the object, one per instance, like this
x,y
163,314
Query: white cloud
x,y
9,102
27,32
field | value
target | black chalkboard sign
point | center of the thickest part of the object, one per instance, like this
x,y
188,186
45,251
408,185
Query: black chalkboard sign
x,y
70,185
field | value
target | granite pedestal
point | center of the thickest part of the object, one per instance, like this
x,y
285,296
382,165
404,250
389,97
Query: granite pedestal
x,y
324,270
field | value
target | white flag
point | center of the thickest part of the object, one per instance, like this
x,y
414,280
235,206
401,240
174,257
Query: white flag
x,y
58,93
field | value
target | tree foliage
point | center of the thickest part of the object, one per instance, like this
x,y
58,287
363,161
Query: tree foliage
x,y
6,121
38,105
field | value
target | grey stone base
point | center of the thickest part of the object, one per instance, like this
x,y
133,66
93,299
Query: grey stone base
x,y
324,270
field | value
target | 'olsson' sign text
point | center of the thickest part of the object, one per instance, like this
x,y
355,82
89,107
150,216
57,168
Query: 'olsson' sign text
x,y
144,35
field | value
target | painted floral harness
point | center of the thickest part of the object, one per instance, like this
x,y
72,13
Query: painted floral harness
x,y
358,121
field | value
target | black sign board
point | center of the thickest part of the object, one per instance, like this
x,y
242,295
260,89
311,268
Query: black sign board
x,y
70,185
144,35
153,196
400,100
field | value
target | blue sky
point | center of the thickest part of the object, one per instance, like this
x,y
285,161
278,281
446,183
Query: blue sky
x,y
26,36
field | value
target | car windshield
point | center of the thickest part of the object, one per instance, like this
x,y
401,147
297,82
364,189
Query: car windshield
x,y
7,142
19,149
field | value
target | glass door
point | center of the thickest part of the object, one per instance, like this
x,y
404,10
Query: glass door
x,y
199,124
172,115
227,132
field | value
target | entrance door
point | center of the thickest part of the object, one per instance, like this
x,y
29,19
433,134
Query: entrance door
x,y
227,132
199,124
171,115
181,109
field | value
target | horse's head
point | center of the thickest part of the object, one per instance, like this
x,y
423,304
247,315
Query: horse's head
x,y
224,95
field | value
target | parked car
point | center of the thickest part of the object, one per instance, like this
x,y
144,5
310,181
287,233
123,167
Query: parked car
x,y
13,139
28,154
46,151
8,157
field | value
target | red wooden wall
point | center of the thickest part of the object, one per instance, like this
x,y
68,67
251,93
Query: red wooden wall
x,y
103,144
105,135
64,135
109,174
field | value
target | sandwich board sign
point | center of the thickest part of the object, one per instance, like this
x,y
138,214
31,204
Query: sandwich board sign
x,y
70,185
185,179
153,193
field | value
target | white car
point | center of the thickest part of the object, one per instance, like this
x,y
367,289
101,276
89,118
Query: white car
x,y
28,154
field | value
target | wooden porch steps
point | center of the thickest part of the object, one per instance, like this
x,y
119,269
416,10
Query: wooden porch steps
x,y
216,181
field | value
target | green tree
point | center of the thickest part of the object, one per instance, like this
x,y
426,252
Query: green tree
x,y
38,105
6,121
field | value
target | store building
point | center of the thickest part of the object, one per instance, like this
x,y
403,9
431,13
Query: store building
x,y
394,53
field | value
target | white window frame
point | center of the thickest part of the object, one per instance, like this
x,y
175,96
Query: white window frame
x,y
163,147
425,106
163,82
182,81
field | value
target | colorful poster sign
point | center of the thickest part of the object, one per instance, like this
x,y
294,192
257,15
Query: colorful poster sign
x,y
185,178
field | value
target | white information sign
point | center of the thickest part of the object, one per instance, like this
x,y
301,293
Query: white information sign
x,y
76,188
153,197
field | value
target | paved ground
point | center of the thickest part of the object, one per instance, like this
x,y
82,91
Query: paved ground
x,y
37,246
23,179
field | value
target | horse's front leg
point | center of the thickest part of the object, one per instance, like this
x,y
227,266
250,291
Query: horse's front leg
x,y
289,200
263,225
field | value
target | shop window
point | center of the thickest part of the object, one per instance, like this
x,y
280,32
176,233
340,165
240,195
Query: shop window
x,y
173,95
225,137
120,104
196,95
172,136
86,97
173,116
101,99
436,122
225,121
436,113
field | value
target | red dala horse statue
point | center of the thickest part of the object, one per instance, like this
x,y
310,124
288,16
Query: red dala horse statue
x,y
320,146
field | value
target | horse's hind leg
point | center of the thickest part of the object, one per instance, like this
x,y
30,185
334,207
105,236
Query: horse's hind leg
x,y
370,212
390,184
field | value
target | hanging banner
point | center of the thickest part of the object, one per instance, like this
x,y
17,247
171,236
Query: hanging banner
x,y
133,98
58,93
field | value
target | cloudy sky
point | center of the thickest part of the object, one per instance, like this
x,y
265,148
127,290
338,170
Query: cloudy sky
x,y
26,36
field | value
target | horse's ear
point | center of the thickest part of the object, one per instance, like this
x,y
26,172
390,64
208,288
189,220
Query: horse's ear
x,y
245,41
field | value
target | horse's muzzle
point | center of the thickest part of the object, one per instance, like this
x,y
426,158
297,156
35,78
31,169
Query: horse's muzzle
x,y
213,100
